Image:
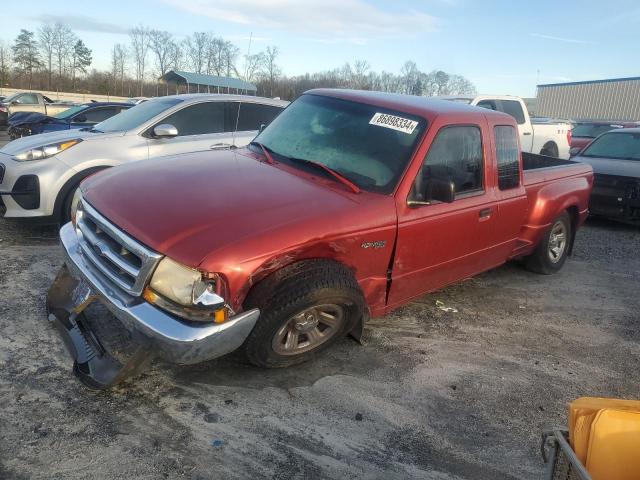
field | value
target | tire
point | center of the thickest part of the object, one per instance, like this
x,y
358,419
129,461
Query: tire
x,y
296,309
549,256
550,150
65,208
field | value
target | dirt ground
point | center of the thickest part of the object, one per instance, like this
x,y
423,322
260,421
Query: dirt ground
x,y
432,394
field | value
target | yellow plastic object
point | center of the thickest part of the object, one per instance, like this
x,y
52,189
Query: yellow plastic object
x,y
582,413
614,446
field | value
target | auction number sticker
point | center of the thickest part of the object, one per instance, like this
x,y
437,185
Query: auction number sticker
x,y
395,123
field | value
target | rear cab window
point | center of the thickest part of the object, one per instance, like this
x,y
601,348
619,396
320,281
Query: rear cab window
x,y
507,156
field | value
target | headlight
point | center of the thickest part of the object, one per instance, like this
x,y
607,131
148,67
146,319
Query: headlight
x,y
75,203
46,151
184,292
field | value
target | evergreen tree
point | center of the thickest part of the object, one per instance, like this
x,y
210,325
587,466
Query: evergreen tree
x,y
25,54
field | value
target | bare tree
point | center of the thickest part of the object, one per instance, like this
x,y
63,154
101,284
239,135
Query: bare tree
x,y
63,41
359,74
177,60
272,70
196,49
5,64
118,66
140,48
46,39
253,65
161,44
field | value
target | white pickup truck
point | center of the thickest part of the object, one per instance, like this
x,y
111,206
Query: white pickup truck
x,y
544,136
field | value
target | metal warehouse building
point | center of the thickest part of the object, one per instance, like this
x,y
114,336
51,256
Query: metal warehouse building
x,y
614,99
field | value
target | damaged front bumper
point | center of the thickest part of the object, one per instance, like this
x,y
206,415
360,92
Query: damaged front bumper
x,y
156,332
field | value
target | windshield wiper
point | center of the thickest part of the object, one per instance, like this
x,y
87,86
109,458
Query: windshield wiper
x,y
330,171
265,151
94,130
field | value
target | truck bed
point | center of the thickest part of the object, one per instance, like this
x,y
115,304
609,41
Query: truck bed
x,y
541,168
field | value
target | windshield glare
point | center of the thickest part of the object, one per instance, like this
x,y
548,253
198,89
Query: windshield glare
x,y
69,112
340,135
136,116
622,146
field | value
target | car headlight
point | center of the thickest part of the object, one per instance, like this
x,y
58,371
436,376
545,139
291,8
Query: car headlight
x,y
75,204
45,151
185,292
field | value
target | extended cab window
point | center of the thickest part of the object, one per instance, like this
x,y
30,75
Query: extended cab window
x,y
513,108
507,157
454,156
199,119
253,116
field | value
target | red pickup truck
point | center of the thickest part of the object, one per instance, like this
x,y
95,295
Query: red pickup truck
x,y
347,206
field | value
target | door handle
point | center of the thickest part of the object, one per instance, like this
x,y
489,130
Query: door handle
x,y
527,133
485,214
221,146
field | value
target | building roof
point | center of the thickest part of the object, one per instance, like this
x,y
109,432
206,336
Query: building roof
x,y
587,82
207,80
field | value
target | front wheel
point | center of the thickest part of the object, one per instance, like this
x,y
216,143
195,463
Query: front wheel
x,y
302,313
552,252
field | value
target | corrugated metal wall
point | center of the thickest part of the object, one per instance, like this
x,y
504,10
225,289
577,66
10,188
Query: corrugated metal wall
x,y
605,100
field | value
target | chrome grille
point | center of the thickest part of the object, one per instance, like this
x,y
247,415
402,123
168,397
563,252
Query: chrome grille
x,y
120,258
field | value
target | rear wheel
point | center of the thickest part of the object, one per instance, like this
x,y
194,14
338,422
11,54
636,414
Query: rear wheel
x,y
303,310
550,149
551,253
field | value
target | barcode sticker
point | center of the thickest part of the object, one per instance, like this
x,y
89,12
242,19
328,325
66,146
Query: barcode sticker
x,y
395,123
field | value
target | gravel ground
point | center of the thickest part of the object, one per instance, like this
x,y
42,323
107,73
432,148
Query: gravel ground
x,y
432,394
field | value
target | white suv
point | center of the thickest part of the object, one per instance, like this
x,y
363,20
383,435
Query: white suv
x,y
39,174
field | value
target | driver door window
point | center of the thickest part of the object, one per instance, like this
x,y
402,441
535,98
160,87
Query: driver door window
x,y
455,156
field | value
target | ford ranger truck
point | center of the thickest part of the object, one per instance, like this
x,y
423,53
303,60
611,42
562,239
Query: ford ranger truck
x,y
347,206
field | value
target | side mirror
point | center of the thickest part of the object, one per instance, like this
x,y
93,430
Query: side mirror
x,y
165,130
80,119
435,189
262,127
15,102
574,151
440,190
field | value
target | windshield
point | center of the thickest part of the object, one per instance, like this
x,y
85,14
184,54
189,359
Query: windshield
x,y
69,112
368,145
10,98
587,130
621,146
136,116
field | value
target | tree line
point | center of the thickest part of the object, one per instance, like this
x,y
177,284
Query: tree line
x,y
56,59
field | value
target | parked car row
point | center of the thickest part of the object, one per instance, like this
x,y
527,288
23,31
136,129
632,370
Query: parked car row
x,y
40,173
23,124
346,206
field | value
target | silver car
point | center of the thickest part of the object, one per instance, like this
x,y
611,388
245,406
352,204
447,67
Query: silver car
x,y
39,174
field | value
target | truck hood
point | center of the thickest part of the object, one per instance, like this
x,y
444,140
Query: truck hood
x,y
35,141
612,166
202,204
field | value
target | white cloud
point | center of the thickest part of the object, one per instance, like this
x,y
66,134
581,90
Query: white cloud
x,y
559,39
328,20
81,23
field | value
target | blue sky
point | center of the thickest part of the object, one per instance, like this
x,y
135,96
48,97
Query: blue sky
x,y
503,47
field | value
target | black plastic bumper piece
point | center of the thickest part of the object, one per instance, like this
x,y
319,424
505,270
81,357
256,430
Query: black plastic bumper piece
x,y
92,364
